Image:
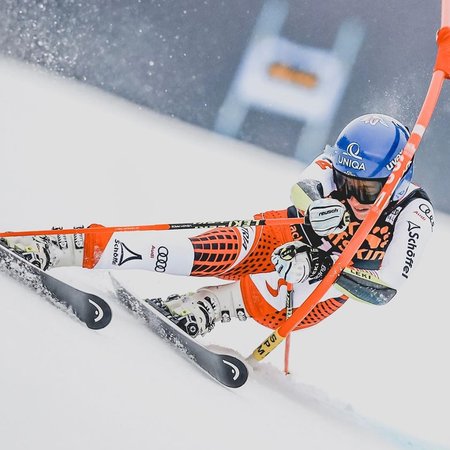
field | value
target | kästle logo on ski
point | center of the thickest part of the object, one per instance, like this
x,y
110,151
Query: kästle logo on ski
x,y
122,254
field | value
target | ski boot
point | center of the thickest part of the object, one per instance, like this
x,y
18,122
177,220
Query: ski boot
x,y
197,312
46,252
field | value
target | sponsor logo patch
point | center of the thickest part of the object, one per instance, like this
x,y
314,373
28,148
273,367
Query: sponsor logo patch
x,y
122,254
425,209
374,120
275,292
351,158
161,259
245,238
392,217
413,237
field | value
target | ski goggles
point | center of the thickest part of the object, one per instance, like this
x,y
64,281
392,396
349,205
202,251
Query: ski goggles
x,y
364,190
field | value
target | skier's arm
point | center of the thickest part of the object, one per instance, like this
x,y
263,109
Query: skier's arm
x,y
411,234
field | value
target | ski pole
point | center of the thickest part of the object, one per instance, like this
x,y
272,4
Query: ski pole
x,y
440,72
289,307
158,227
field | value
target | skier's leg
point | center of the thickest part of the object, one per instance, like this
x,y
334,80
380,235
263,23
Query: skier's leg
x,y
223,252
260,296
209,254
198,312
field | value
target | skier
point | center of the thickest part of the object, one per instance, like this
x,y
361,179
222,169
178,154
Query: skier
x,y
334,194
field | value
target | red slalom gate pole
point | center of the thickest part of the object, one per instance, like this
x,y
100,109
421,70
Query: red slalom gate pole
x,y
158,227
440,72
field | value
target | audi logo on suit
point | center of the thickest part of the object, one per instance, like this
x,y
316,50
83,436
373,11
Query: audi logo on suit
x,y
161,259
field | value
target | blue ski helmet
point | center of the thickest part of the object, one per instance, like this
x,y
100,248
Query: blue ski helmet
x,y
369,148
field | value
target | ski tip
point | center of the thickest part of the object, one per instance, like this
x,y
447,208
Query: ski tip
x,y
100,313
235,372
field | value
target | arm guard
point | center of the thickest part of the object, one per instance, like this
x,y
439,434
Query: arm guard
x,y
316,183
365,286
305,192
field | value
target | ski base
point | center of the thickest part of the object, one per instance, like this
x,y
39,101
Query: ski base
x,y
226,369
88,308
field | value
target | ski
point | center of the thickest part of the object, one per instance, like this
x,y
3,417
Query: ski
x,y
226,369
88,308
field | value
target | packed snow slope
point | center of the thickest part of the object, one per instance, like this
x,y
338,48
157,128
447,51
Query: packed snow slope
x,y
367,378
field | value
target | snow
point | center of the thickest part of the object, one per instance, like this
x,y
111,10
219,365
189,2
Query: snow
x,y
368,377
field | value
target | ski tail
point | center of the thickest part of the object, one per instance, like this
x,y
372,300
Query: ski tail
x,y
90,309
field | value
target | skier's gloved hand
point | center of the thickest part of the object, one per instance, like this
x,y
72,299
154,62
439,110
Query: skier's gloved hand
x,y
327,216
297,262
